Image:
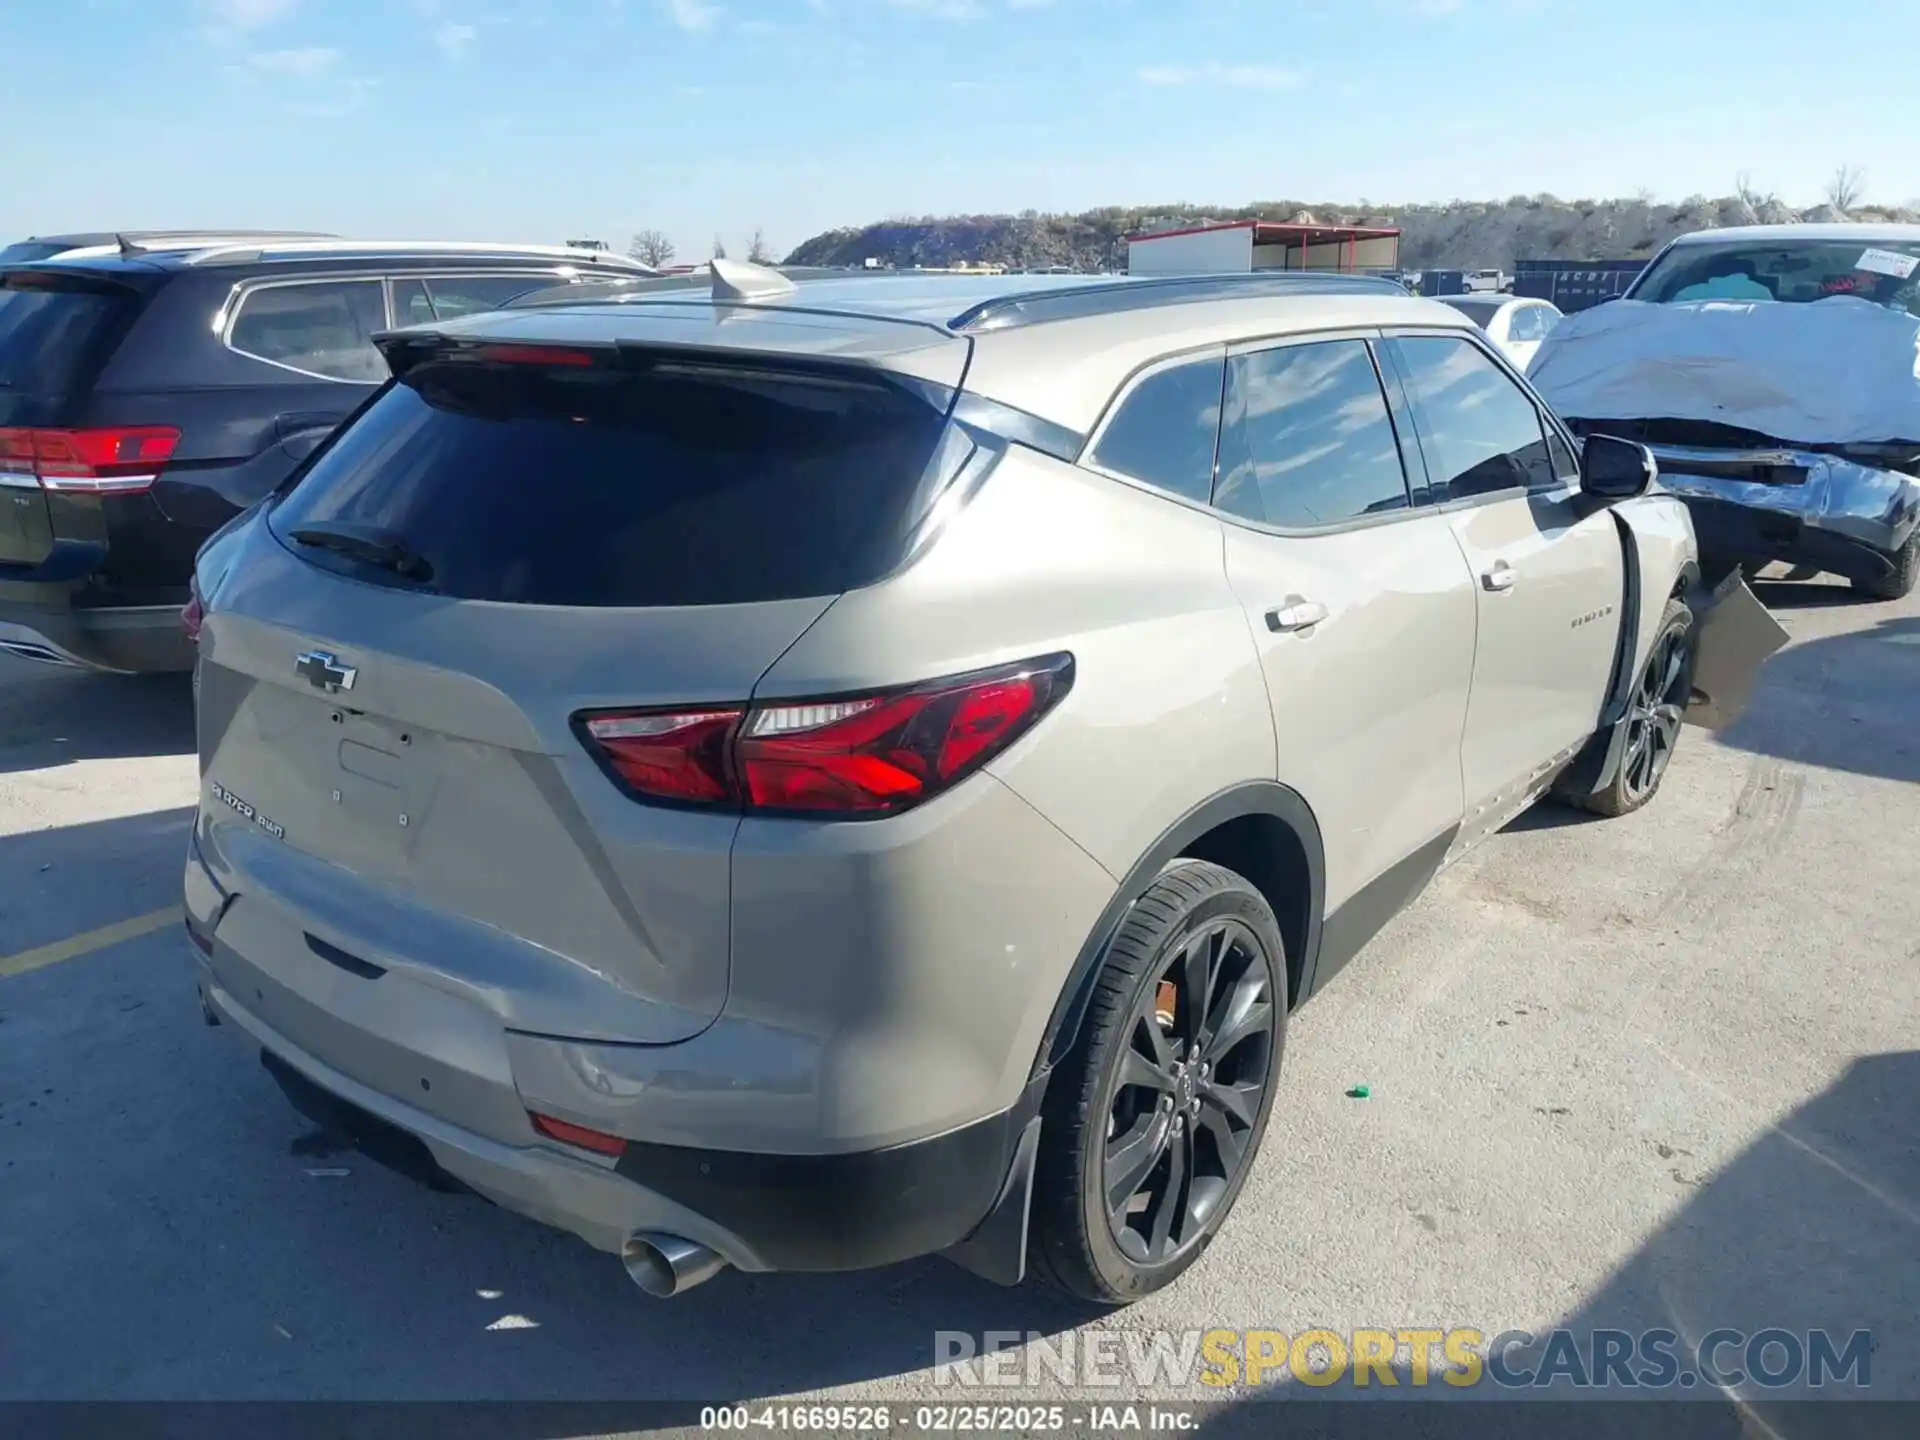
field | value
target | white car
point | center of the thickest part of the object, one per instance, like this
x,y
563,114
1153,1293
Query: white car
x,y
1517,325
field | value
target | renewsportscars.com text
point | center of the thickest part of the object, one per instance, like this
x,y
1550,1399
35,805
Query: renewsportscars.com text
x,y
1405,1357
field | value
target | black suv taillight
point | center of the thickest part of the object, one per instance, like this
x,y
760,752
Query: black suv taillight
x,y
863,755
119,460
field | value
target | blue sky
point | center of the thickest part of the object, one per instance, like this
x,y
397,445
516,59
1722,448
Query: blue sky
x,y
547,119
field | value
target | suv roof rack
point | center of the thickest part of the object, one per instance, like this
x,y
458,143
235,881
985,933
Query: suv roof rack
x,y
1128,294
1077,302
379,249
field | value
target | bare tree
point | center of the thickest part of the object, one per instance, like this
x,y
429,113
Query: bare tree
x,y
757,250
719,248
651,247
1847,187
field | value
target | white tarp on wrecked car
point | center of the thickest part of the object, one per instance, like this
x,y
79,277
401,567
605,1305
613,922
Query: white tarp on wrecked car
x,y
1839,371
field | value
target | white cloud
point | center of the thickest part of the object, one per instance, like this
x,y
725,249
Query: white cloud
x,y
246,14
693,16
1243,77
454,39
310,60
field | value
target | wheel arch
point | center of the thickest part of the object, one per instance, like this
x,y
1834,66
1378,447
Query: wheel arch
x,y
1261,830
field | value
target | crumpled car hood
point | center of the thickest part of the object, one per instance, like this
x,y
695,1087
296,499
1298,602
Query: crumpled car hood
x,y
1840,371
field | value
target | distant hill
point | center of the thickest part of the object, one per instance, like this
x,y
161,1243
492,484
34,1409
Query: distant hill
x,y
1462,234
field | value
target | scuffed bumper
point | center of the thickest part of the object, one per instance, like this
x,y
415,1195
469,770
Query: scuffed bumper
x,y
1842,517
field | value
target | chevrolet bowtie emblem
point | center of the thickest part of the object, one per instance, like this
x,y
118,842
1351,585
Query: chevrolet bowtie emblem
x,y
324,671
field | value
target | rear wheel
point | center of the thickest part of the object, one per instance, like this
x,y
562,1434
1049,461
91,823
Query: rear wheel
x,y
1153,1121
1900,582
1653,719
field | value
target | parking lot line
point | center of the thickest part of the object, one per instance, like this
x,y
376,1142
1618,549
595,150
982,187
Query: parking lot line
x,y
74,946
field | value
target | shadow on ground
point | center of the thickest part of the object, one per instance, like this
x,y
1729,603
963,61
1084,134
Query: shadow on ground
x,y
1813,1228
1825,594
54,882
1844,702
51,717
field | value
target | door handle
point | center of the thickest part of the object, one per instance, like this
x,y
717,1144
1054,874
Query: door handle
x,y
1499,576
1296,614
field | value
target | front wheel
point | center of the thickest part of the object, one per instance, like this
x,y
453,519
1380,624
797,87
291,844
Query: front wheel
x,y
1153,1121
1653,720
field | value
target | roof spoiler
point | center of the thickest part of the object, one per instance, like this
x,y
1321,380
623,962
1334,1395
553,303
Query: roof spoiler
x,y
744,283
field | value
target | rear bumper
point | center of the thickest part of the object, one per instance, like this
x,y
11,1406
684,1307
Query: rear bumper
x,y
760,1212
141,639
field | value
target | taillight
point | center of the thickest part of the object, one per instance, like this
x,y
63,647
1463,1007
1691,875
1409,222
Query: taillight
x,y
670,756
853,755
194,612
116,460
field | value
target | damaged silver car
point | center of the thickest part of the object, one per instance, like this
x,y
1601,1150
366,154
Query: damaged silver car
x,y
1774,370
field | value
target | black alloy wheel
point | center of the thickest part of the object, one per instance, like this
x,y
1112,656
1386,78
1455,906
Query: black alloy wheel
x,y
1646,736
1654,715
1188,1092
1153,1119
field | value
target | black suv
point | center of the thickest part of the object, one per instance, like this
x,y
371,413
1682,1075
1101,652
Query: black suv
x,y
149,395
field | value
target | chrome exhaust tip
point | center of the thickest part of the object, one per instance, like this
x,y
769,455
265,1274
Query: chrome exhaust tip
x,y
666,1265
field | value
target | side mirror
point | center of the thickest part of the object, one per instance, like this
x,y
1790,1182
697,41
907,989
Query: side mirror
x,y
1616,469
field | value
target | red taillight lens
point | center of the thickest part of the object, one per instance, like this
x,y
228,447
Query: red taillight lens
x,y
857,755
679,756
194,613
116,460
597,1141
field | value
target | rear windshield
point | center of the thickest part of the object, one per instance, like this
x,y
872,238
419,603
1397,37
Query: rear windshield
x,y
46,335
676,484
1478,311
1886,272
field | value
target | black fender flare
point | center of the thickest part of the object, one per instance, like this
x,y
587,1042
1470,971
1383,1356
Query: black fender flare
x,y
1257,797
1593,769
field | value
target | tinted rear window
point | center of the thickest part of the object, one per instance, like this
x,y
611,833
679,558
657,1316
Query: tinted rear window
x,y
679,484
46,335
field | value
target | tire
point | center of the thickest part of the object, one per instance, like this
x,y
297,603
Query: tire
x,y
1653,719
1906,570
1130,1110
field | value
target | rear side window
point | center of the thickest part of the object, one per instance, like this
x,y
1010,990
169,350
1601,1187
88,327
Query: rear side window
x,y
674,484
1307,440
48,333
471,294
443,297
1165,431
321,327
1480,431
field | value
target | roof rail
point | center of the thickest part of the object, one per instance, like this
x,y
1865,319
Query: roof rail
x,y
305,249
1078,302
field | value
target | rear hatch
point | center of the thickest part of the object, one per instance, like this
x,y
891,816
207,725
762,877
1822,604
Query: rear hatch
x,y
56,328
393,663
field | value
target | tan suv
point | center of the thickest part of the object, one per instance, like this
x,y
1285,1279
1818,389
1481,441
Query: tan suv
x,y
803,778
